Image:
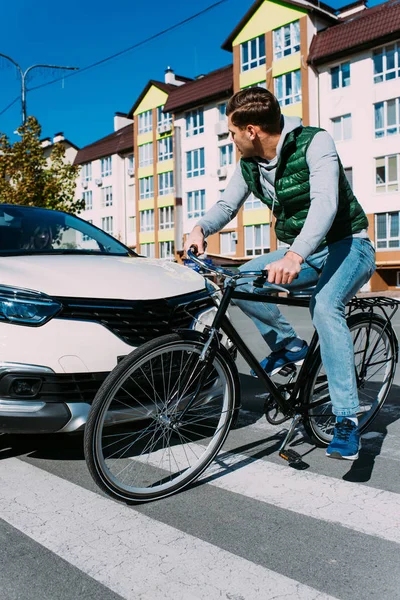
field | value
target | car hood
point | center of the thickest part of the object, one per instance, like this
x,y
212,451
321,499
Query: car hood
x,y
125,277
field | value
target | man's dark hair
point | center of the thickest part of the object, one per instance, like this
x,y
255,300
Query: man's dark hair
x,y
255,106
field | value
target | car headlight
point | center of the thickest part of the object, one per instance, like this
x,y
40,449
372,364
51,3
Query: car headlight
x,y
26,307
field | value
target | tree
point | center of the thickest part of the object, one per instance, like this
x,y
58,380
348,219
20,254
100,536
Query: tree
x,y
28,178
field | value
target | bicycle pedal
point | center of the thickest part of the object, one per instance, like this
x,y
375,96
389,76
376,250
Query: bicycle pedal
x,y
287,370
291,456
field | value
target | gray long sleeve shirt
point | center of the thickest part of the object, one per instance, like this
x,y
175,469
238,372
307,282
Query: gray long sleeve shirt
x,y
322,161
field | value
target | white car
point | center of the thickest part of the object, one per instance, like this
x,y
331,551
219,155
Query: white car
x,y
73,301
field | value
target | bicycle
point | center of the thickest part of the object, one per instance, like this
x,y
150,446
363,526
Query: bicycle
x,y
162,415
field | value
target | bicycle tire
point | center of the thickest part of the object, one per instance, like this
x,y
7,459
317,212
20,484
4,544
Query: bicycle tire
x,y
319,422
225,384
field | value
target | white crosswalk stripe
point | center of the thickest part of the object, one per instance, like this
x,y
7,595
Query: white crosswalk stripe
x,y
131,554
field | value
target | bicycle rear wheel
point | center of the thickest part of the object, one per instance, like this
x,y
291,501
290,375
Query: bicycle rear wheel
x,y
139,442
375,364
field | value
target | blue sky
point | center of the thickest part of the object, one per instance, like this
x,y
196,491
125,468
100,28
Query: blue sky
x,y
81,32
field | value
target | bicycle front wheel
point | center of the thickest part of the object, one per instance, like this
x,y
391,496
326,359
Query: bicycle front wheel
x,y
160,418
375,365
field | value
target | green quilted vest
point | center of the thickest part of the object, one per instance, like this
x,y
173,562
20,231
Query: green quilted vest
x,y
292,189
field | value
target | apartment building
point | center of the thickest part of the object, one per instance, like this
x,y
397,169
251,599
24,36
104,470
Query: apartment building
x,y
107,182
357,66
157,205
207,157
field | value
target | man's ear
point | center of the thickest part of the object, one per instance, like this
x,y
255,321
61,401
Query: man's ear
x,y
252,131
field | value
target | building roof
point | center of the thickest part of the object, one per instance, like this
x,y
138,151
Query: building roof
x,y
118,142
214,85
165,87
361,30
310,5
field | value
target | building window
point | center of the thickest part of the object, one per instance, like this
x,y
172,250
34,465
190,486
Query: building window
x,y
147,220
341,128
256,239
88,199
131,162
340,76
167,249
145,122
252,202
165,183
163,119
195,163
146,155
106,196
398,279
85,237
260,84
166,217
288,88
227,241
107,225
387,117
147,250
387,227
165,148
86,172
349,175
226,155
196,203
387,173
386,63
252,53
194,122
287,40
106,166
131,224
222,111
146,187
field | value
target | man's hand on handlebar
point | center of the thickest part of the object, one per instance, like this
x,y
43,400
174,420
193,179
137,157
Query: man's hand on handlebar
x,y
196,239
285,270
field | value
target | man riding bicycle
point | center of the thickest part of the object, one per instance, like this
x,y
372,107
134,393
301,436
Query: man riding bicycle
x,y
297,173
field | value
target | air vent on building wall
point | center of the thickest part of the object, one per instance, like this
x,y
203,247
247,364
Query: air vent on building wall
x,y
131,172
164,128
221,128
234,236
98,182
84,184
222,172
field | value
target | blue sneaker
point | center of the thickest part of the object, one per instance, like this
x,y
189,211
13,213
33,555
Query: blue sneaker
x,y
346,440
273,363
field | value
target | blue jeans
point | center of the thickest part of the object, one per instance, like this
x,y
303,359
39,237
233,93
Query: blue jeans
x,y
339,270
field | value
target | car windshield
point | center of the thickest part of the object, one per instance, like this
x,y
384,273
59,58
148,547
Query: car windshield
x,y
25,230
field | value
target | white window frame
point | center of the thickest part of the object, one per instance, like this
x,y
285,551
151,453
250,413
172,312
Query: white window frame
x,y
165,149
145,122
226,157
145,152
163,118
342,81
148,250
166,217
261,84
107,225
391,73
225,239
166,183
253,203
193,157
222,111
146,220
284,96
167,249
345,133
106,166
106,196
196,204
254,249
256,53
146,187
280,50
387,130
87,197
131,161
86,172
384,242
386,185
194,122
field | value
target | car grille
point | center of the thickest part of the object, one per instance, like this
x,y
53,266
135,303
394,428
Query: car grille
x,y
136,322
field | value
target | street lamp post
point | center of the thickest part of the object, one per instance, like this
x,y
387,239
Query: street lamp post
x,y
24,74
